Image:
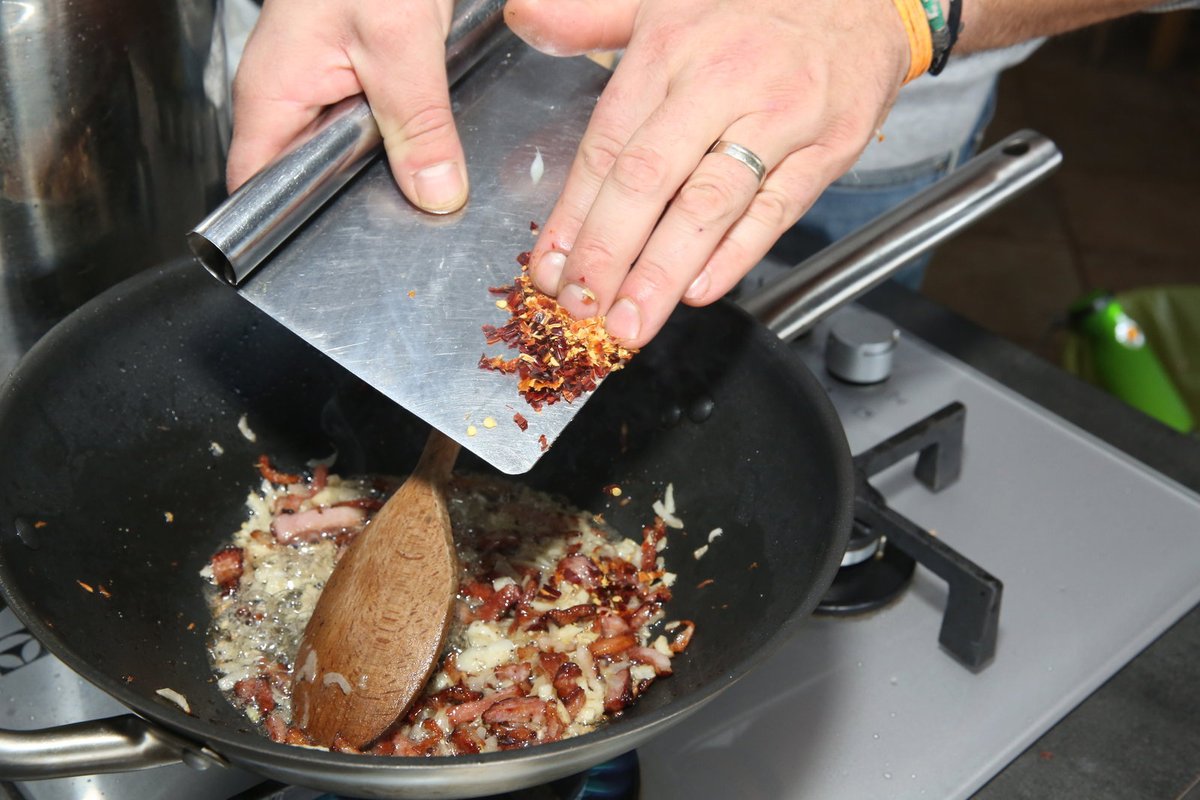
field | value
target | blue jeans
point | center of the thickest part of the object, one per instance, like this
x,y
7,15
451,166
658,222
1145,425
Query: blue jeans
x,y
857,199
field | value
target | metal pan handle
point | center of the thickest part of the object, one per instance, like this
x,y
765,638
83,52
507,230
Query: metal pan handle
x,y
853,265
239,235
115,744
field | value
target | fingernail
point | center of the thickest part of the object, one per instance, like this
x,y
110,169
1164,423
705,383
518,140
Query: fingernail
x,y
440,188
547,272
623,320
579,301
699,287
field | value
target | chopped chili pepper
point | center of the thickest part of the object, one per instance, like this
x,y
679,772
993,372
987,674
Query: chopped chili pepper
x,y
559,357
522,423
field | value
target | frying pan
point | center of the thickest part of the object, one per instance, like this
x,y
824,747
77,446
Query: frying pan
x,y
165,365
125,469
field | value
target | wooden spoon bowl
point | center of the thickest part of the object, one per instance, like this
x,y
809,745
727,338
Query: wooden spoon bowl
x,y
380,624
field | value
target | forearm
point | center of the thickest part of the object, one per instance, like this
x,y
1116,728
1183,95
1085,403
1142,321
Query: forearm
x,y
989,24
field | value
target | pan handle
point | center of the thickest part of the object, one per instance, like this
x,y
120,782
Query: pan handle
x,y
239,235
855,264
115,744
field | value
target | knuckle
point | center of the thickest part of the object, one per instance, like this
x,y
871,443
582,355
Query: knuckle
x,y
592,256
707,201
598,153
639,169
432,125
653,277
775,210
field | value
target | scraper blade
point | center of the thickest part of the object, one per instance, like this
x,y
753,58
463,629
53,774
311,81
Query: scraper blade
x,y
399,297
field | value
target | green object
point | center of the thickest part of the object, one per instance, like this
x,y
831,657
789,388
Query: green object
x,y
1113,349
933,13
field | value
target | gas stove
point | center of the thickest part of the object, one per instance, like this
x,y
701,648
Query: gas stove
x,y
1081,555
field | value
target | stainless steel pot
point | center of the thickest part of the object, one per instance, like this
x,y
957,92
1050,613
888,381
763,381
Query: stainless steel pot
x,y
113,128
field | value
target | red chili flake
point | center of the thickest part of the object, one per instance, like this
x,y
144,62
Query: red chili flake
x,y
191,626
41,523
1046,755
412,293
704,583
523,258
612,489
105,593
559,357
522,423
533,226
545,445
86,587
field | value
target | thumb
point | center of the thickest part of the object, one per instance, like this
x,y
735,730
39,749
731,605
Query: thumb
x,y
414,116
572,27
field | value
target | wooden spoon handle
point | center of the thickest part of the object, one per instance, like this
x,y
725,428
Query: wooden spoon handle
x,y
437,459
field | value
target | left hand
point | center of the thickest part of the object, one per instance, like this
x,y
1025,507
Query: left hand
x,y
647,218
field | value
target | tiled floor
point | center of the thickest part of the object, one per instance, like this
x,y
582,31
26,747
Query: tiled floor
x,y
1124,209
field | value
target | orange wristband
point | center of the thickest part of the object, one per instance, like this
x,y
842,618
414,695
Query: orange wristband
x,y
920,40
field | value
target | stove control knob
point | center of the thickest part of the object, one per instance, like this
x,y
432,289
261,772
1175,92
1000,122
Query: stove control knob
x,y
860,347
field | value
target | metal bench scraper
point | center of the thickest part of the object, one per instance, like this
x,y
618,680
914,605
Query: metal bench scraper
x,y
323,241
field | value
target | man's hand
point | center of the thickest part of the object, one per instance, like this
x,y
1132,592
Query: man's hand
x,y
305,55
647,217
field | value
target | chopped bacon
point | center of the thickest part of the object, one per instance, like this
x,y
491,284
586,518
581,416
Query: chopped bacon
x,y
613,625
579,570
456,695
554,726
511,737
646,614
465,742
513,673
568,616
494,607
566,686
648,655
618,690
277,729
256,692
273,475
311,525
471,711
550,661
651,534
515,709
612,645
227,565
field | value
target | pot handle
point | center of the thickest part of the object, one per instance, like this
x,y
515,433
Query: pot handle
x,y
857,263
115,744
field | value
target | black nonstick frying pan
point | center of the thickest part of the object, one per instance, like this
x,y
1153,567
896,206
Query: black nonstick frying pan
x,y
125,468
111,480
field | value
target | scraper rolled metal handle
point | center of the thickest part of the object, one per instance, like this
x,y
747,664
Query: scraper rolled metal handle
x,y
245,229
855,264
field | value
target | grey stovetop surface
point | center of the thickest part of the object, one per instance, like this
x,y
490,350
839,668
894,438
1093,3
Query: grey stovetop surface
x,y
1137,736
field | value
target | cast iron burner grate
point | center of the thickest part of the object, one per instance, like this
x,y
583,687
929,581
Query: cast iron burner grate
x,y
885,546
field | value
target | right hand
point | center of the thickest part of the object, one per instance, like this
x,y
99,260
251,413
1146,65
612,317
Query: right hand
x,y
305,55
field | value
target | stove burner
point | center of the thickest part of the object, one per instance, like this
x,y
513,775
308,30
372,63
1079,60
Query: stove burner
x,y
885,546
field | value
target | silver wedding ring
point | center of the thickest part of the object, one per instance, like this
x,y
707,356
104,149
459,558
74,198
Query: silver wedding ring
x,y
743,155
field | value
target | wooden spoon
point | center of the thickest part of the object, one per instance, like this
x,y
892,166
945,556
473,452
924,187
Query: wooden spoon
x,y
381,621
